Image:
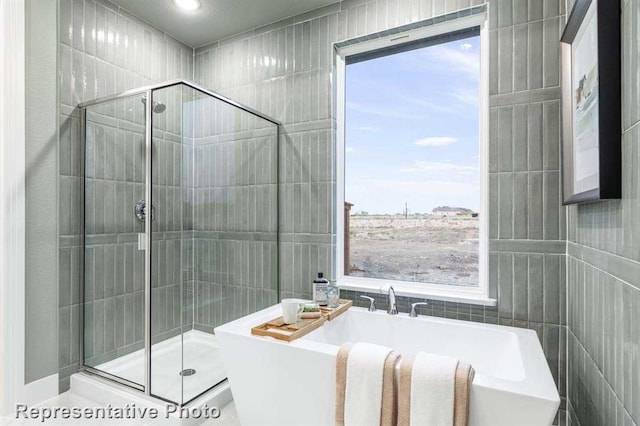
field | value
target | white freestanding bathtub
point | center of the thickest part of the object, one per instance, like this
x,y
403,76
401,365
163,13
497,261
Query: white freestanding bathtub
x,y
279,383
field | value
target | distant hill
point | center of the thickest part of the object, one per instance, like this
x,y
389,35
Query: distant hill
x,y
452,209
449,211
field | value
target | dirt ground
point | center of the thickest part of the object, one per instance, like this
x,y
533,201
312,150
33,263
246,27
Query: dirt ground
x,y
420,248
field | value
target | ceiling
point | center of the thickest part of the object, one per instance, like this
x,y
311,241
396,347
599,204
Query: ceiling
x,y
215,19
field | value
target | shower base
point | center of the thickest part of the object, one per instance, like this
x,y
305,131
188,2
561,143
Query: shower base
x,y
106,392
197,351
201,353
171,362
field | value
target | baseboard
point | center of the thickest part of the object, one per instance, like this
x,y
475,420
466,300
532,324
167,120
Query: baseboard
x,y
39,390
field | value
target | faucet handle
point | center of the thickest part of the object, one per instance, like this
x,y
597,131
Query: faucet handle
x,y
414,313
372,303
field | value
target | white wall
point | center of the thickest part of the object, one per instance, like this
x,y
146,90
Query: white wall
x,y
13,179
12,166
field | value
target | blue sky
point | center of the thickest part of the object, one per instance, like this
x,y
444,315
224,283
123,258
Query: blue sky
x,y
412,129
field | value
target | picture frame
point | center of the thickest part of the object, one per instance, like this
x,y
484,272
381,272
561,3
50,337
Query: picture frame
x,y
591,102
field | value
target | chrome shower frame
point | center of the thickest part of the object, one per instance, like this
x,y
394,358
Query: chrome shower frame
x,y
148,92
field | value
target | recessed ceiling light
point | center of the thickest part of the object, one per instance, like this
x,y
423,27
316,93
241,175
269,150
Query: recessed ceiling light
x,y
189,5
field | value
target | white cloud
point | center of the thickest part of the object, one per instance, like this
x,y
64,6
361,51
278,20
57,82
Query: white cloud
x,y
397,102
434,104
412,188
368,129
383,111
466,46
349,149
466,61
467,96
439,166
435,141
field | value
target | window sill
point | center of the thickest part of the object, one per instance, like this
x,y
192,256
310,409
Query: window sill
x,y
473,296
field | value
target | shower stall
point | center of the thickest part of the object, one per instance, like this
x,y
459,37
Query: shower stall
x,y
180,233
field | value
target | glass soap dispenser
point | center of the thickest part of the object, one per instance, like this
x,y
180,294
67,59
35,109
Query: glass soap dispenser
x,y
333,294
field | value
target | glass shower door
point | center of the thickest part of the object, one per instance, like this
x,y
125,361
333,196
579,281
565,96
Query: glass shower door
x,y
113,291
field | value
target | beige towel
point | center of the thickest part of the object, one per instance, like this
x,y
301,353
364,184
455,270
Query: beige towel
x,y
404,391
389,409
389,391
464,378
341,381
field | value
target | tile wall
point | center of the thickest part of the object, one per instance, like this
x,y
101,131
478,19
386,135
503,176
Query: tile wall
x,y
224,169
285,70
115,176
234,218
101,50
603,263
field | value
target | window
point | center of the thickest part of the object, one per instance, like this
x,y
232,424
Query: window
x,y
412,166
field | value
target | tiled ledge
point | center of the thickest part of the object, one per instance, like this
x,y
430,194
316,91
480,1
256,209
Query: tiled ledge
x,y
624,269
528,246
525,97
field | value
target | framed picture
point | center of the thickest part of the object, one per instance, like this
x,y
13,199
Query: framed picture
x,y
591,102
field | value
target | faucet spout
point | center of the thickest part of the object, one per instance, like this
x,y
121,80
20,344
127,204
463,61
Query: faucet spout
x,y
392,308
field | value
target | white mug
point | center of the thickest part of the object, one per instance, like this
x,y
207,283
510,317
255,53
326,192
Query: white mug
x,y
290,310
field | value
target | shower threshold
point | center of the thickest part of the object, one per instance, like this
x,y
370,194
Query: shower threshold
x,y
106,392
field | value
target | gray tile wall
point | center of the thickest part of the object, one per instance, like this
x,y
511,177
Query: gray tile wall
x,y
41,232
170,303
234,213
604,275
284,70
263,73
114,267
114,171
101,50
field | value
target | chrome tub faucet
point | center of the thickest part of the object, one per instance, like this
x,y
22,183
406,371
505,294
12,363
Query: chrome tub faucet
x,y
392,308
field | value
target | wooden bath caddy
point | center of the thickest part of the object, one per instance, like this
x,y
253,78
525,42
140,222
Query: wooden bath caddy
x,y
277,329
331,313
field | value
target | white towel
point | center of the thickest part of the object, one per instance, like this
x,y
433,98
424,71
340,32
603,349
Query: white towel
x,y
363,393
433,380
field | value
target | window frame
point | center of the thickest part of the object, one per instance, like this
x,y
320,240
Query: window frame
x,y
478,295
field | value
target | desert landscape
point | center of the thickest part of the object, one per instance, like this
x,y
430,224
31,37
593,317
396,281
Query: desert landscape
x,y
420,248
